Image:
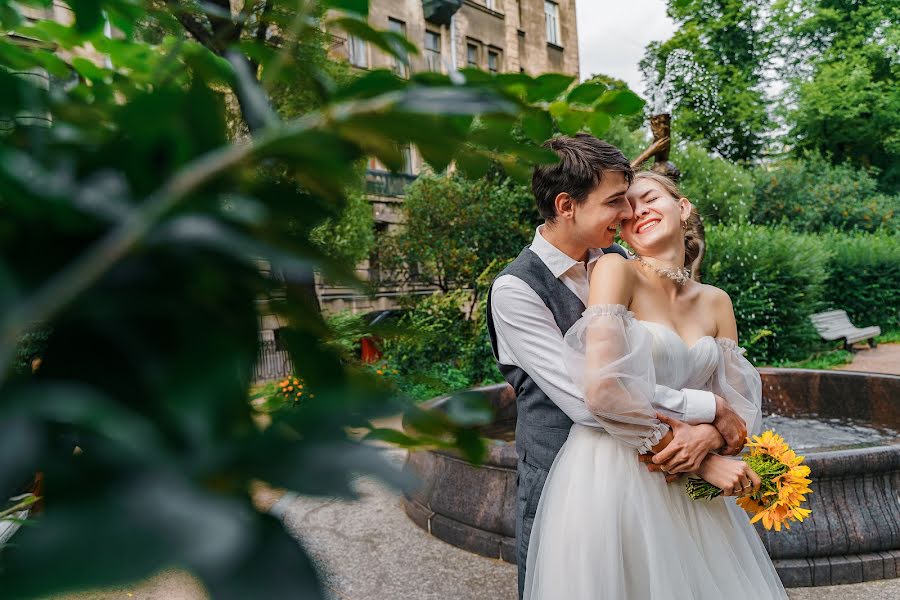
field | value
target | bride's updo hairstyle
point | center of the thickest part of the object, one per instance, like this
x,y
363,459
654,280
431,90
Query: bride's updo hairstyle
x,y
694,244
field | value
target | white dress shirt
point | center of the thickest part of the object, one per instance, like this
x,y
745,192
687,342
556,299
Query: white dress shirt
x,y
528,338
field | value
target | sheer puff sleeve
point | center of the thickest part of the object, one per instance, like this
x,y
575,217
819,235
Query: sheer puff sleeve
x,y
608,355
739,383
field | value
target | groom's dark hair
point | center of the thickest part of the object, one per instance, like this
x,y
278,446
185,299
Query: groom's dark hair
x,y
582,160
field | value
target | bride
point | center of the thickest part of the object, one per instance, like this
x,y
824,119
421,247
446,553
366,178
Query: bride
x,y
607,526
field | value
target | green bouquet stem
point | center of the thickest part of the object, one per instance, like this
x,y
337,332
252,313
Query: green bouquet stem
x,y
767,467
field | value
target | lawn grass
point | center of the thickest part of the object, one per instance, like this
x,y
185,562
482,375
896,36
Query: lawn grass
x,y
892,336
828,359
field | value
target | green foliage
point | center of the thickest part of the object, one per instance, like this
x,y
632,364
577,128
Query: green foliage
x,y
841,59
776,279
345,329
443,343
349,237
454,228
721,190
812,195
889,337
442,348
864,278
828,359
710,74
132,227
29,349
630,139
632,121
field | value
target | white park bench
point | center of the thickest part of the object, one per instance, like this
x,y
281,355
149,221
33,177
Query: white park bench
x,y
835,325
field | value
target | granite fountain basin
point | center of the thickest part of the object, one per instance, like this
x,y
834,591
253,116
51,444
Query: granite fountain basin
x,y
847,424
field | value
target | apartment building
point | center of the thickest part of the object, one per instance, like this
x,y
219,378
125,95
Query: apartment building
x,y
500,36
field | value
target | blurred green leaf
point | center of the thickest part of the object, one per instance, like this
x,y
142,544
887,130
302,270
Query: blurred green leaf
x,y
620,102
153,521
548,87
537,125
469,409
254,103
454,101
88,14
392,436
599,123
571,121
587,93
473,163
393,43
369,85
360,7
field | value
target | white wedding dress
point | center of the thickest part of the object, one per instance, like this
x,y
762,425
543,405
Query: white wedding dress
x,y
608,529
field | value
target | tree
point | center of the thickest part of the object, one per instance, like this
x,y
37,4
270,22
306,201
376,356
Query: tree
x,y
710,74
454,228
349,237
843,101
130,232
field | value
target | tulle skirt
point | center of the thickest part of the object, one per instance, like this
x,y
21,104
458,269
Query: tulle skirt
x,y
606,528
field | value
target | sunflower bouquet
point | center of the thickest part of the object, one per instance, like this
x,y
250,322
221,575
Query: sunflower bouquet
x,y
785,483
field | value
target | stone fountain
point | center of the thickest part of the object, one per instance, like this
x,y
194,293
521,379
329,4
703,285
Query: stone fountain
x,y
847,424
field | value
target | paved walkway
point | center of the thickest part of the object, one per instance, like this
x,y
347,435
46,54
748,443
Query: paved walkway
x,y
370,550
883,359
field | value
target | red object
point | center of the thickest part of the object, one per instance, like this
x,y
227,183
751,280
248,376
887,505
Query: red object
x,y
369,351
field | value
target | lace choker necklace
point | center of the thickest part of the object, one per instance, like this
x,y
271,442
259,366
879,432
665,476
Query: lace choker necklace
x,y
679,275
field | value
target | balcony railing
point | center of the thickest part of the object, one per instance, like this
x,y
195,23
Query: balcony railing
x,y
385,183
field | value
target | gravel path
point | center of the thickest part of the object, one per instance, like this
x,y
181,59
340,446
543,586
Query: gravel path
x,y
369,550
883,359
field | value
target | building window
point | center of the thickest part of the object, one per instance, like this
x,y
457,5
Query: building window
x,y
551,12
376,272
489,4
472,55
359,52
493,61
433,51
406,150
399,67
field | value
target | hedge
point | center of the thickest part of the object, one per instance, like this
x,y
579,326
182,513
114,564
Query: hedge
x,y
864,278
776,278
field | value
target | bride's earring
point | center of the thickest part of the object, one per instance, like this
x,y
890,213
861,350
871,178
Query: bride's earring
x,y
684,225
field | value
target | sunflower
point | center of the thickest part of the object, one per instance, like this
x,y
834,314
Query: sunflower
x,y
785,483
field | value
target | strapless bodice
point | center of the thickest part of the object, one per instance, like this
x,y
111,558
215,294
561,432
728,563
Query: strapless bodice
x,y
678,365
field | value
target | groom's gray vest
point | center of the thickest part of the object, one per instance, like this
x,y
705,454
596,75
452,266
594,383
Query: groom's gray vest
x,y
541,427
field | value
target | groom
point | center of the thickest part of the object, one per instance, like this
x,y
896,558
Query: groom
x,y
535,300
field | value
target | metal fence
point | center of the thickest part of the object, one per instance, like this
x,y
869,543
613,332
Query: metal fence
x,y
272,363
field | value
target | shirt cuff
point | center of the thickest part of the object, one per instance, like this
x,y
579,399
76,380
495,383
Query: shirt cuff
x,y
699,407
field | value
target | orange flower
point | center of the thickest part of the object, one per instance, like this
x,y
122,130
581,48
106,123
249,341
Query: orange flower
x,y
777,508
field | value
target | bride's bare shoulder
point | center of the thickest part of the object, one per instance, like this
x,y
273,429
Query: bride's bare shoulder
x,y
612,280
714,296
719,304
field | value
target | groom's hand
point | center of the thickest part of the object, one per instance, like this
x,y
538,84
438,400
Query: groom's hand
x,y
689,446
731,426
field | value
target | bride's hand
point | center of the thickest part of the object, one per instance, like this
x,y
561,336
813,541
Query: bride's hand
x,y
689,446
734,477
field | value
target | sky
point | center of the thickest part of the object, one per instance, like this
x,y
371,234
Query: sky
x,y
612,35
